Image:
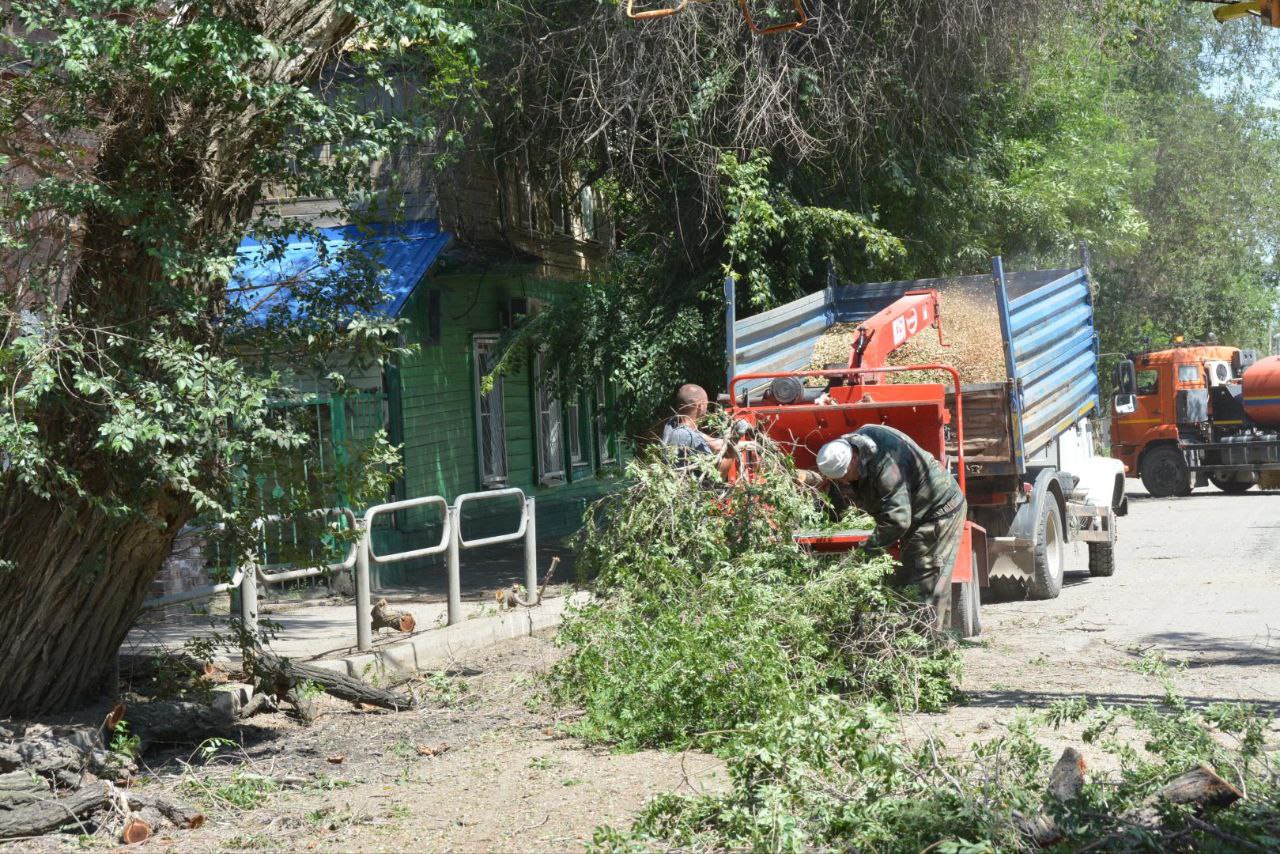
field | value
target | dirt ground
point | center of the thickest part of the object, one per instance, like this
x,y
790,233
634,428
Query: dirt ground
x,y
1197,579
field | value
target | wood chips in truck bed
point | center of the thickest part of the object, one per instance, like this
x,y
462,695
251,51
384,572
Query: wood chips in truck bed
x,y
970,327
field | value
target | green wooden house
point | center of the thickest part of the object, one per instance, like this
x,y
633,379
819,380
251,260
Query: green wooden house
x,y
458,293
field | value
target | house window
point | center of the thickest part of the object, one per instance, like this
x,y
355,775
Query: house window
x,y
603,443
577,450
491,423
550,425
559,213
586,202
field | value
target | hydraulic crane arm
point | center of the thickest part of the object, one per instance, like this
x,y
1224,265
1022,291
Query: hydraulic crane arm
x,y
891,327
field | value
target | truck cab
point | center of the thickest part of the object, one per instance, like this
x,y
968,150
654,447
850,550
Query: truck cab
x,y
1173,414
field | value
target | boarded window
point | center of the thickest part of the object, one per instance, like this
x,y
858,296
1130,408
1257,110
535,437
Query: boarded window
x,y
491,423
550,425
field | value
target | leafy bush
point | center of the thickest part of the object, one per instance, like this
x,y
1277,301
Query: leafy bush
x,y
711,618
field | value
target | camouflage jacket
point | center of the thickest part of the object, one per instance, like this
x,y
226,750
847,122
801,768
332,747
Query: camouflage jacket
x,y
901,486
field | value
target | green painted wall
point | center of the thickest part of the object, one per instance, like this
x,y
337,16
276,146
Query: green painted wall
x,y
437,405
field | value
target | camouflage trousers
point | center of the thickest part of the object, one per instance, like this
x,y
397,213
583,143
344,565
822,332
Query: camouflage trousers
x,y
928,555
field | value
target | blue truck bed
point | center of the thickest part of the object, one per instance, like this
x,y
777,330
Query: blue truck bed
x,y
1048,337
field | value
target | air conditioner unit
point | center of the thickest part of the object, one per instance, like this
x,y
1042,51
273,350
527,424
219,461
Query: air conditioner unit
x,y
1219,372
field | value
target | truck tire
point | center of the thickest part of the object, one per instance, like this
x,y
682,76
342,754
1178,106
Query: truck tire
x,y
1165,473
1049,556
966,617
1232,486
1102,560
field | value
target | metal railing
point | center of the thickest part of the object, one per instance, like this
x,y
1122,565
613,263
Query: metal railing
x,y
452,543
249,573
364,608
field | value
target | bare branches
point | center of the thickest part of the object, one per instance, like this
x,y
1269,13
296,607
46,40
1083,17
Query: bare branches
x,y
667,97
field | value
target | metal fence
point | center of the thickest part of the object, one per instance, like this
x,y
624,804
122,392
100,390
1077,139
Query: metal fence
x,y
249,574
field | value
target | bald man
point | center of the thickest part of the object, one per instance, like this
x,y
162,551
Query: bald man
x,y
683,433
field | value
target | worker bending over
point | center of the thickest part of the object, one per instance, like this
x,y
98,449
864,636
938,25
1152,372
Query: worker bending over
x,y
683,433
915,502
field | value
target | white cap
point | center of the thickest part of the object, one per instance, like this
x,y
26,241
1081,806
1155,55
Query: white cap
x,y
834,459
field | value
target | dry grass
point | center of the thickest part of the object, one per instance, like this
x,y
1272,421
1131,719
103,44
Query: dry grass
x,y
971,329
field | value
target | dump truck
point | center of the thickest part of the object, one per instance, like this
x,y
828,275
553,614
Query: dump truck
x,y
1193,415
1022,449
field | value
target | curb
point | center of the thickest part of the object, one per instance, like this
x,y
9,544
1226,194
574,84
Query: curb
x,y
436,649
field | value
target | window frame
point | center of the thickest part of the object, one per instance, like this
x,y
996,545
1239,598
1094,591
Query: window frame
x,y
482,343
605,455
548,438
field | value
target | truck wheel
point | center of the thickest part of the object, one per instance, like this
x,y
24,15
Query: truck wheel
x,y
1232,486
966,619
1049,557
1102,560
1165,473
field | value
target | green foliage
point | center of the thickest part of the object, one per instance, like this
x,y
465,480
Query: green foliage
x,y
136,141
124,748
778,246
838,776
711,618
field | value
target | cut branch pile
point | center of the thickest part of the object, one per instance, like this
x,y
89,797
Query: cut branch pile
x,y
50,778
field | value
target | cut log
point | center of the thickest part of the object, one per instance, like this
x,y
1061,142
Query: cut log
x,y
280,676
21,787
49,814
135,830
385,618
61,754
1067,778
178,722
1200,787
138,668
179,815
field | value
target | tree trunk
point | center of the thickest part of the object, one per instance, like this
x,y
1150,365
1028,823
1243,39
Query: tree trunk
x,y
73,579
77,583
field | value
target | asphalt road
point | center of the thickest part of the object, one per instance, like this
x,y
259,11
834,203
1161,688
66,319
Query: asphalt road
x,y
1197,580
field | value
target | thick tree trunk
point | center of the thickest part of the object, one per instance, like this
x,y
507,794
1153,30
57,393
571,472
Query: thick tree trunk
x,y
73,579
76,583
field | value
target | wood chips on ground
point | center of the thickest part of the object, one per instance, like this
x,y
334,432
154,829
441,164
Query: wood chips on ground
x,y
971,330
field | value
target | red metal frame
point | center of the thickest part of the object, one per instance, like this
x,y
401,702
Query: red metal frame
x,y
917,409
834,542
920,406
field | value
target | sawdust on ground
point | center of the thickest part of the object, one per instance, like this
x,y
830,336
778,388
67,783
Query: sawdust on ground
x,y
971,332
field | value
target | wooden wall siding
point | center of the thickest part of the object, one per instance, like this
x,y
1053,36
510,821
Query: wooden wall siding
x,y
437,402
505,208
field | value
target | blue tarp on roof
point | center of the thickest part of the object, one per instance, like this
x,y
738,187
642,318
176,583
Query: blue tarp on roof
x,y
405,251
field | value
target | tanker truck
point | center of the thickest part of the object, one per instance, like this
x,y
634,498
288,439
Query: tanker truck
x,y
1194,415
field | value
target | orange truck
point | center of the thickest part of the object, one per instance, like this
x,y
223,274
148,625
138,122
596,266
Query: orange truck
x,y
1194,415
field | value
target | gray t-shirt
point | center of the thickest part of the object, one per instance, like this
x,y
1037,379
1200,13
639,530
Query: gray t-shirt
x,y
677,434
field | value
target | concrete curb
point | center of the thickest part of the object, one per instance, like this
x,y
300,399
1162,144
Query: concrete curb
x,y
436,649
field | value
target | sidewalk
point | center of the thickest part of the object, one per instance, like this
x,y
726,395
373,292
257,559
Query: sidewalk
x,y
323,630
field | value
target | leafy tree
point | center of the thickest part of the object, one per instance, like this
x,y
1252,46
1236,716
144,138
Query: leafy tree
x,y
135,139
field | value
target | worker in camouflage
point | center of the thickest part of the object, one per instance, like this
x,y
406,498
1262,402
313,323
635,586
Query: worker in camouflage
x,y
915,502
